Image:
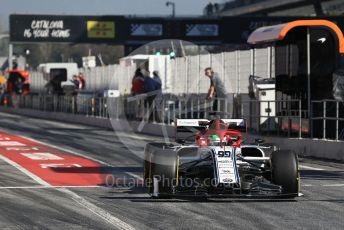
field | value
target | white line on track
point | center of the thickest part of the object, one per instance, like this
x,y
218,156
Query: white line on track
x,y
116,222
333,185
311,168
323,185
79,154
66,150
96,210
23,170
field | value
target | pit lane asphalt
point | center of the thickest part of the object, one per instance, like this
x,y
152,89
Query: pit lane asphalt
x,y
26,205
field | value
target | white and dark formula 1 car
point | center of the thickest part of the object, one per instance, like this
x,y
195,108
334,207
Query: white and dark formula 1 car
x,y
217,164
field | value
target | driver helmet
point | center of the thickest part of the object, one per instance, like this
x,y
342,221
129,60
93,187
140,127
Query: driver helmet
x,y
215,140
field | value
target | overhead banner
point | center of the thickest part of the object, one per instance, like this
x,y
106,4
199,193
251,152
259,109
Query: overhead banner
x,y
46,29
100,29
42,28
152,30
135,30
71,29
202,30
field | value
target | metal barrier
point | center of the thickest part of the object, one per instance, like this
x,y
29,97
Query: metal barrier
x,y
275,117
84,104
263,117
328,119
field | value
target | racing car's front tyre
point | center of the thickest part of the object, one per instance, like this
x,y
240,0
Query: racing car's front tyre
x,y
163,173
285,171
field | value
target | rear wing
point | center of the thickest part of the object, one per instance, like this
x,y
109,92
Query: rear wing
x,y
236,124
185,127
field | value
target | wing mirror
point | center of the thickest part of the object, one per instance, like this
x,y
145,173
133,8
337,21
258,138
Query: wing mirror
x,y
259,141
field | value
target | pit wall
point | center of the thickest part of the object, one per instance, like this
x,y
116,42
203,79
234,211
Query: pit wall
x,y
327,149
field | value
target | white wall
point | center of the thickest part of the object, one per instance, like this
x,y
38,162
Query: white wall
x,y
183,75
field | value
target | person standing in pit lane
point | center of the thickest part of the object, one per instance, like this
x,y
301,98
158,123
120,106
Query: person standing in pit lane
x,y
157,78
216,91
158,98
152,87
137,83
137,88
76,83
82,81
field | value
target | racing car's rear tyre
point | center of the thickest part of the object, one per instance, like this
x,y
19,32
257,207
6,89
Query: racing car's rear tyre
x,y
163,173
285,171
147,173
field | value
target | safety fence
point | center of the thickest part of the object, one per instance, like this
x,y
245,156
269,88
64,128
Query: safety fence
x,y
182,75
87,105
328,119
281,118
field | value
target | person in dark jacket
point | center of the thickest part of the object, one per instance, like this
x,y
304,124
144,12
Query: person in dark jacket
x,y
151,87
76,83
157,78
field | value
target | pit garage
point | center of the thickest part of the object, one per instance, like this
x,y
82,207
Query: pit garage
x,y
308,69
